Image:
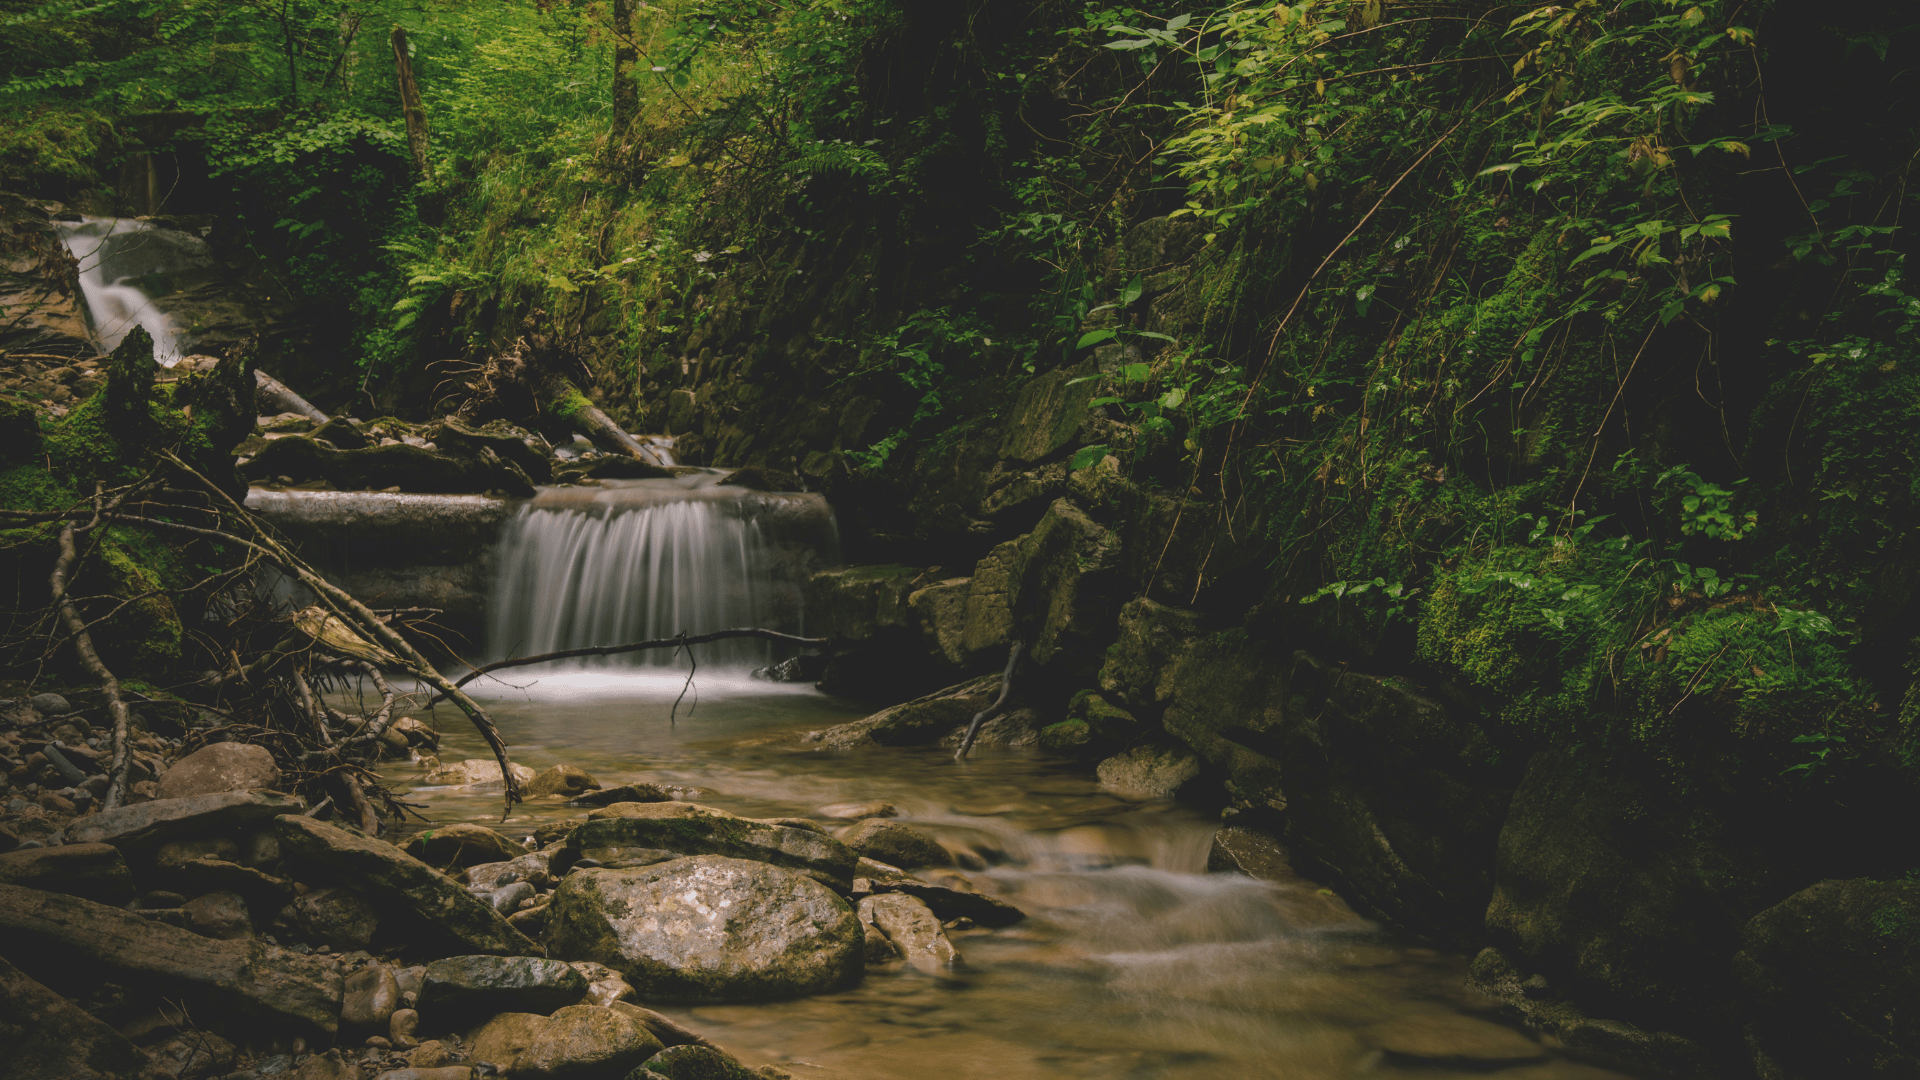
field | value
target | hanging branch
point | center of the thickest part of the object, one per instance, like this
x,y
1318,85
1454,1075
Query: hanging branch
x,y
657,643
999,705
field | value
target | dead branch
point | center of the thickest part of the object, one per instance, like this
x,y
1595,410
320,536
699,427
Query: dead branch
x,y
121,761
999,705
636,646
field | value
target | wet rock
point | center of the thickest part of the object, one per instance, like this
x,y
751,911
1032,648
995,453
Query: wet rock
x,y
372,995
220,915
227,766
91,871
804,824
69,939
194,1055
145,826
263,891
917,722
876,946
642,793
895,843
859,603
949,900
334,916
698,1063
1833,975
565,780
586,1041
506,900
855,811
941,610
476,772
462,987
450,1072
913,929
1140,667
534,867
330,1065
881,872
1451,1040
1252,852
1155,770
664,1028
639,834
463,845
708,929
399,885
44,1035
432,1054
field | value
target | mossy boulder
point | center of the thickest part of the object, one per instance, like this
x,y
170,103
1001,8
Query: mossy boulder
x,y
409,468
632,834
1140,663
1832,978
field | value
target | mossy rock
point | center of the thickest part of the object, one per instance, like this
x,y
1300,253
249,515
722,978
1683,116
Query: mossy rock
x,y
410,468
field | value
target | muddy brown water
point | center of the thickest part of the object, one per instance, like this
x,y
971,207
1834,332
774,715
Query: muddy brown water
x,y
1134,961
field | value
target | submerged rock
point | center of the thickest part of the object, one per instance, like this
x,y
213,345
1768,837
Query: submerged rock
x,y
476,772
698,1063
708,929
895,843
564,780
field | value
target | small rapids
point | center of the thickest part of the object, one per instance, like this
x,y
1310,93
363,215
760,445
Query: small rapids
x,y
1134,960
119,259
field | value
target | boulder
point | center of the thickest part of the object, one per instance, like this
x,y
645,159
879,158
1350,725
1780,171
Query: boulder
x,y
1832,974
90,871
142,827
1050,408
604,985
462,845
328,1065
1628,895
895,843
534,867
913,929
1139,667
227,766
1155,770
698,1063
856,811
463,987
1253,852
400,886
476,772
372,996
664,1028
72,942
639,834
859,603
708,928
949,900
49,705
334,916
941,610
205,874
565,780
1389,795
580,1042
44,1035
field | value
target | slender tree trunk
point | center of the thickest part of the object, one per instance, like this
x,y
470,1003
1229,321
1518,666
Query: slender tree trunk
x,y
626,57
410,103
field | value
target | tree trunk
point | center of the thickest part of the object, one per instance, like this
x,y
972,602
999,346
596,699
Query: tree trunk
x,y
626,57
410,103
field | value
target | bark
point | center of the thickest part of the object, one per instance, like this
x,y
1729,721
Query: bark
x,y
411,105
574,406
276,394
122,760
626,91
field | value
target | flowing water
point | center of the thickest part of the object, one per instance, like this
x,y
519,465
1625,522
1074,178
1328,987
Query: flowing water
x,y
118,258
1134,960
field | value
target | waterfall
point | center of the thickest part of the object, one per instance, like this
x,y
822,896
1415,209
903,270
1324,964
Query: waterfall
x,y
637,560
120,261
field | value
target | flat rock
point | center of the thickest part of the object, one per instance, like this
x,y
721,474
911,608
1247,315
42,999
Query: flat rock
x,y
913,929
564,780
146,825
895,843
396,883
1452,1040
44,1035
334,916
76,941
90,871
208,874
708,928
227,766
460,987
641,834
462,845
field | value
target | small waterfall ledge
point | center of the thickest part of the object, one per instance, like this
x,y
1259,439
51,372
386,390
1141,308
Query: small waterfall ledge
x,y
634,560
121,261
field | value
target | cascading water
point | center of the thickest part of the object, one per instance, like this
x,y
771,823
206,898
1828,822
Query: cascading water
x,y
639,560
119,259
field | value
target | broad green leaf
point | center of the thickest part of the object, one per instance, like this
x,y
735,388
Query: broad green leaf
x,y
1094,337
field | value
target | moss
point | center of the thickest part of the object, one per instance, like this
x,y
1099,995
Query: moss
x,y
570,405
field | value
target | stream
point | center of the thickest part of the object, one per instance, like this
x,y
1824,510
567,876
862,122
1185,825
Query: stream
x,y
1134,961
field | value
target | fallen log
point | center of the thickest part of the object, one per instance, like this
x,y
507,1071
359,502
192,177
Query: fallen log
x,y
999,704
280,396
568,403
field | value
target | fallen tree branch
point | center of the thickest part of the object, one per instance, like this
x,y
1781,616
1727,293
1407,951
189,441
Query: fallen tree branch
x,y
282,397
122,760
999,704
636,646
